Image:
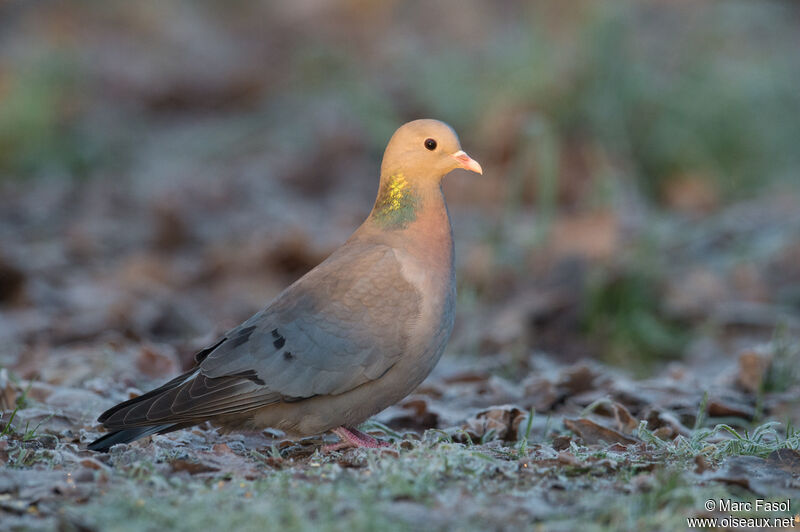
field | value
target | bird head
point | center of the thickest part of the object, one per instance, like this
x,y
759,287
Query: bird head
x,y
425,150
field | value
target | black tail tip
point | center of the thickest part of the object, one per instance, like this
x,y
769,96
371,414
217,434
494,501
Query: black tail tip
x,y
106,442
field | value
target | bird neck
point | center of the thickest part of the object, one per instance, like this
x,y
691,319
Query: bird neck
x,y
398,203
411,215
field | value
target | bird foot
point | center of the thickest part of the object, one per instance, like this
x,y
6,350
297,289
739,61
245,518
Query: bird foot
x,y
354,438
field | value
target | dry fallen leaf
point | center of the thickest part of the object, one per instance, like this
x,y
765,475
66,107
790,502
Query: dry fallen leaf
x,y
567,458
752,368
540,393
562,442
503,420
592,433
701,464
8,392
768,478
786,460
726,408
626,423
191,467
665,424
419,417
578,379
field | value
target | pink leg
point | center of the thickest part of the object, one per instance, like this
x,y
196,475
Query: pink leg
x,y
353,438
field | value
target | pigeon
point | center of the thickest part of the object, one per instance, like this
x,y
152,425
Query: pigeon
x,y
353,336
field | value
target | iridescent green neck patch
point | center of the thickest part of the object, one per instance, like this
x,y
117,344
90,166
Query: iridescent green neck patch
x,y
397,203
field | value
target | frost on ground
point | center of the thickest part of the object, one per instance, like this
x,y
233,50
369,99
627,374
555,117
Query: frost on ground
x,y
626,342
471,448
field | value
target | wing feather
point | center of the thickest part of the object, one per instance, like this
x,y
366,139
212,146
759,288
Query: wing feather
x,y
345,323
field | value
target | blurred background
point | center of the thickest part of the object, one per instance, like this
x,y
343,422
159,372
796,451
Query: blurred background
x,y
167,167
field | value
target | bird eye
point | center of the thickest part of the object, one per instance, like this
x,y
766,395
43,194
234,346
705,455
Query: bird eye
x,y
430,144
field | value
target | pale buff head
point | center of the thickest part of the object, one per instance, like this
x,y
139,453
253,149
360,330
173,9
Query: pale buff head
x,y
425,150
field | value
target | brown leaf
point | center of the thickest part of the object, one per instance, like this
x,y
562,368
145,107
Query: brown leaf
x,y
625,421
430,389
3,452
701,464
540,393
418,417
8,392
592,433
503,420
91,463
670,420
192,468
664,433
221,449
561,442
567,458
722,408
466,377
664,424
578,379
763,477
752,367
786,460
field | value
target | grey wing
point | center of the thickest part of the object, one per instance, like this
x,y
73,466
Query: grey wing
x,y
346,323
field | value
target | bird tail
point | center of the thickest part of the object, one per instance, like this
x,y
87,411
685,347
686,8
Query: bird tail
x,y
104,443
183,402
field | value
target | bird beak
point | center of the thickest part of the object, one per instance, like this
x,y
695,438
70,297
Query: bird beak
x,y
466,162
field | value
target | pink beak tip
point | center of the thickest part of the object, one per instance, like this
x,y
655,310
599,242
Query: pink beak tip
x,y
467,163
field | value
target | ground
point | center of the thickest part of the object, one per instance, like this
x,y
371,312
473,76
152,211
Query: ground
x,y
561,451
625,354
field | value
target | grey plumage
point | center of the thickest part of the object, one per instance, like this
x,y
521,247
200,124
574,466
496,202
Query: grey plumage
x,y
352,336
